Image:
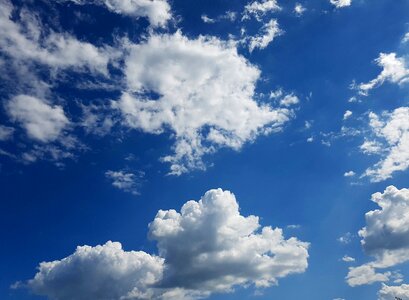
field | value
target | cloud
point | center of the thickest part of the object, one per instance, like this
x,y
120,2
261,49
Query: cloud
x,y
157,11
41,121
102,272
394,292
6,132
126,181
268,32
347,258
207,247
346,238
347,114
26,39
394,69
299,9
349,174
258,9
199,89
365,274
341,3
385,237
391,142
405,38
386,233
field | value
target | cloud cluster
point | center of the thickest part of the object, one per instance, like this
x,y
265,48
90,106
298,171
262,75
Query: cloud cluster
x,y
258,9
394,292
157,11
391,142
394,69
208,247
268,32
201,90
385,236
126,181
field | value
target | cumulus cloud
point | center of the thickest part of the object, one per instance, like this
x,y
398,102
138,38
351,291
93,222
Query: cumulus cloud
x,y
126,181
347,258
157,11
394,69
41,121
258,9
201,90
385,237
206,247
349,174
391,142
26,39
268,32
394,292
405,38
340,3
365,274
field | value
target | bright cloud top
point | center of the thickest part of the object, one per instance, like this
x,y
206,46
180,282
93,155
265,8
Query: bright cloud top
x,y
394,292
341,3
157,11
207,247
391,141
394,69
258,9
201,90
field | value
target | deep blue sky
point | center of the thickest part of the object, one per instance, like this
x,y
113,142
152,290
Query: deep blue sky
x,y
46,211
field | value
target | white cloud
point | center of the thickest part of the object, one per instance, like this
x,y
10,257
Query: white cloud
x,y
126,181
6,132
347,114
289,100
299,9
394,292
391,141
157,11
386,233
207,247
349,174
346,238
365,274
206,19
347,258
102,272
258,9
405,38
28,40
341,3
394,69
41,121
204,94
268,32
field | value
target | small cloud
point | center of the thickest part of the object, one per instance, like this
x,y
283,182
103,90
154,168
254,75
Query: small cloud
x,y
347,114
293,226
310,139
346,238
349,174
206,19
6,133
126,181
299,9
347,258
340,3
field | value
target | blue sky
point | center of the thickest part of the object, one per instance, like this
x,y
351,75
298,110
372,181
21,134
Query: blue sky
x,y
115,114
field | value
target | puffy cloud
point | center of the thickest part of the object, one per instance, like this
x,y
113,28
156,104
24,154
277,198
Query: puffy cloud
x,y
260,8
26,39
200,89
157,11
103,272
394,69
386,233
299,9
347,114
126,181
267,34
340,3
365,274
391,141
394,292
206,247
42,121
6,132
349,174
223,243
346,238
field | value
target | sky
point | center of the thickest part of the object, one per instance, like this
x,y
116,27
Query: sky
x,y
182,150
